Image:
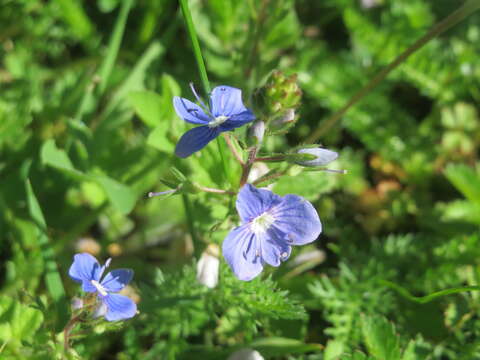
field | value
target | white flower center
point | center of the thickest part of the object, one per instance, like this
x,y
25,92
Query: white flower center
x,y
219,120
262,223
99,287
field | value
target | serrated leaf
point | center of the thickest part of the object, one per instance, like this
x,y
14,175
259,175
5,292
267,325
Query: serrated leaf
x,y
19,322
380,338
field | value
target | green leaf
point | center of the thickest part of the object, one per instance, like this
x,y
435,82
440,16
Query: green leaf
x,y
149,106
380,338
121,196
278,346
113,46
53,280
75,16
57,158
158,138
19,322
333,350
466,180
307,184
462,210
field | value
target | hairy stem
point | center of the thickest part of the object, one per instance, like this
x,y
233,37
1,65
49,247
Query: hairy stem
x,y
233,149
252,154
67,330
454,18
215,191
270,158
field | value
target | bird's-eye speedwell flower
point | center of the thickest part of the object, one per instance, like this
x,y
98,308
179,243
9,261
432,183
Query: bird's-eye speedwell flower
x,y
224,113
87,271
271,224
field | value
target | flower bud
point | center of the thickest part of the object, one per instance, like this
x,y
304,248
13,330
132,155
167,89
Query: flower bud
x,y
77,303
323,156
246,354
255,133
279,94
207,266
284,121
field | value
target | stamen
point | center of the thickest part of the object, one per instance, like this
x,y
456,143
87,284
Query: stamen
x,y
219,120
199,99
99,287
262,223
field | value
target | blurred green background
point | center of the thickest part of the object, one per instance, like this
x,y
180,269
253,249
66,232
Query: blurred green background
x,y
87,129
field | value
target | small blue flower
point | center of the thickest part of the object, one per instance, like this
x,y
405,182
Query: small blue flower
x,y
225,112
87,271
270,225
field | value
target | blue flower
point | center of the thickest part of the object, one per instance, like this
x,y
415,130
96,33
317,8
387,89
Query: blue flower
x,y
270,225
87,271
226,112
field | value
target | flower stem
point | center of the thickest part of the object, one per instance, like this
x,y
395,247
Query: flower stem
x,y
190,223
454,18
196,46
232,148
270,158
252,154
215,191
68,328
192,33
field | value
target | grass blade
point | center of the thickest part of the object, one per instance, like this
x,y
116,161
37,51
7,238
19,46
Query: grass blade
x,y
53,281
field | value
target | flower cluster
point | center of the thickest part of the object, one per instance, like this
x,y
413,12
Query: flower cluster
x,y
270,224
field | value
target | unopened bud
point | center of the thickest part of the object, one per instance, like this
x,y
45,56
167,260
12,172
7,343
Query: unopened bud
x,y
76,303
255,133
208,265
323,156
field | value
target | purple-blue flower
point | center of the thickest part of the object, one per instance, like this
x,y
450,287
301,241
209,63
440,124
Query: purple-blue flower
x,y
225,112
87,271
271,224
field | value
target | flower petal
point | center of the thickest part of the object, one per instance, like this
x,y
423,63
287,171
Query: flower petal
x,y
252,202
297,219
119,307
275,248
194,140
116,280
238,120
190,111
241,250
84,268
227,101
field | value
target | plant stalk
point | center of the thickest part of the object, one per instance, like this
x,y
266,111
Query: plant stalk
x,y
454,18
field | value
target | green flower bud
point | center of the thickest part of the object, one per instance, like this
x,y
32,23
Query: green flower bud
x,y
279,94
